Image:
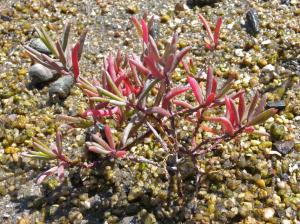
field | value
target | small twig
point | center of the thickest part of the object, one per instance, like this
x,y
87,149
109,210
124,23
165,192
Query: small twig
x,y
162,142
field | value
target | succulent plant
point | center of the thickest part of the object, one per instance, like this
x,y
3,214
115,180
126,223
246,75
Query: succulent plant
x,y
124,93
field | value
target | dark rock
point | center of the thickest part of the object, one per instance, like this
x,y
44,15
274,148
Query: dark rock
x,y
60,89
193,3
280,104
252,22
292,66
39,75
285,2
132,208
284,147
5,18
39,45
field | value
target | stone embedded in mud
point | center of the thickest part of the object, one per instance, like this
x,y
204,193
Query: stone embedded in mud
x,y
39,45
60,89
252,22
39,74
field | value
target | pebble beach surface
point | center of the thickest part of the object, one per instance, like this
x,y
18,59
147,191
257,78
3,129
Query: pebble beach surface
x,y
255,179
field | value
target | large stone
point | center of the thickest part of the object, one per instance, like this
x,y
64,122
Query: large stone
x,y
60,89
39,74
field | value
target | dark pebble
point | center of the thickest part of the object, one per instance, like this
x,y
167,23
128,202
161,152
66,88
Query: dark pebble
x,y
252,22
193,3
5,18
292,65
285,2
280,105
284,147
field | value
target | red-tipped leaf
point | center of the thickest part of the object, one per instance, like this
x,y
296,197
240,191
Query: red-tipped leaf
x,y
207,28
109,136
158,110
137,26
242,106
75,51
140,67
229,110
145,31
209,81
226,124
217,31
150,62
173,93
196,89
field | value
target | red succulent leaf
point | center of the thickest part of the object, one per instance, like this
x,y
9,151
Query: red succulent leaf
x,y
172,93
235,112
210,99
139,66
207,28
229,110
137,26
111,67
150,62
249,129
226,124
217,31
46,174
179,57
169,64
101,105
242,106
145,31
158,110
153,50
109,136
196,89
186,67
75,51
214,85
119,60
120,154
61,172
209,81
261,105
182,104
252,106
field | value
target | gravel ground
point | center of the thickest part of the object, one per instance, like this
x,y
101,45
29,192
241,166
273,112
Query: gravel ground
x,y
250,182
